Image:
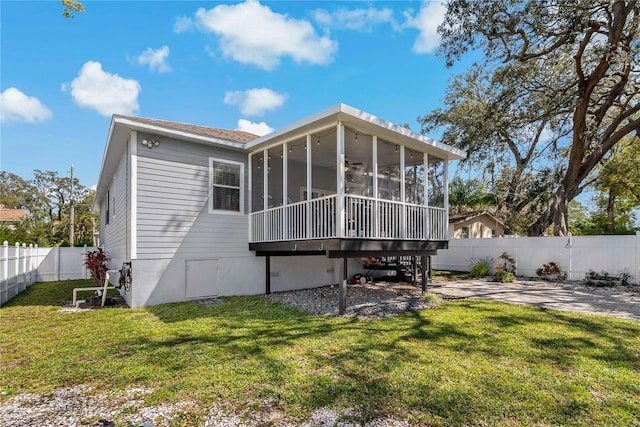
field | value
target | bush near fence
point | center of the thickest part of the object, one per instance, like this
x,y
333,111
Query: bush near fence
x,y
576,255
22,265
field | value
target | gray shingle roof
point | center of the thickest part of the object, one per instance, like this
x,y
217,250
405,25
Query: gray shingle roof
x,y
227,134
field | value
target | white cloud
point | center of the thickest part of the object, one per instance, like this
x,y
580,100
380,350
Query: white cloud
x,y
182,24
251,33
429,17
354,19
15,106
259,129
255,102
156,59
104,92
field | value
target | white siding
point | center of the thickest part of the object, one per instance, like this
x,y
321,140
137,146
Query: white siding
x,y
173,196
174,230
115,235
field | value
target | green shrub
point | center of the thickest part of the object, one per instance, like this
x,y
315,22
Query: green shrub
x,y
504,276
605,279
505,272
480,267
431,298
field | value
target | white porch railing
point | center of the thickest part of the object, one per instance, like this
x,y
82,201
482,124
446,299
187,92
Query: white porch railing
x,y
365,218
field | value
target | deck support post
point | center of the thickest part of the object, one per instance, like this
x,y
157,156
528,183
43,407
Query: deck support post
x,y
425,274
414,270
342,290
267,272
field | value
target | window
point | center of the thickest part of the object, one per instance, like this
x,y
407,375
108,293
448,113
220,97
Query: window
x,y
226,184
465,232
106,211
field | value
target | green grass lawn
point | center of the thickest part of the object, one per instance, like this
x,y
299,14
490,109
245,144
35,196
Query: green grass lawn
x,y
449,275
462,363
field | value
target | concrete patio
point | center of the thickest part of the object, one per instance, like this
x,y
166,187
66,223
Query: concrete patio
x,y
608,302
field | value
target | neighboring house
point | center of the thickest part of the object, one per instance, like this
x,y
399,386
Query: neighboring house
x,y
201,212
477,224
10,218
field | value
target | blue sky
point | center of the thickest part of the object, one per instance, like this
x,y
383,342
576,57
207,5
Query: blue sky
x,y
251,66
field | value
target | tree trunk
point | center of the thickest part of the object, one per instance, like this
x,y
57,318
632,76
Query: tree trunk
x,y
556,215
611,212
559,214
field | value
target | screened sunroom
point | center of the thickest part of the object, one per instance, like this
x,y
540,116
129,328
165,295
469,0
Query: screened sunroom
x,y
346,176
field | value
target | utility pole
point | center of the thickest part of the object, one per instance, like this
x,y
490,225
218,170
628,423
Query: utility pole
x,y
71,214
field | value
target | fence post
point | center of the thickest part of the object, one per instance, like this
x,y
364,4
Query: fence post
x,y
31,279
24,266
516,244
17,267
569,246
4,295
637,272
84,257
58,263
37,261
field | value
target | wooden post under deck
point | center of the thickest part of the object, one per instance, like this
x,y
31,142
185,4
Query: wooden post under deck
x,y
424,273
342,290
267,269
414,270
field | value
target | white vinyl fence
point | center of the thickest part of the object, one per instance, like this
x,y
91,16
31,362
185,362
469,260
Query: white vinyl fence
x,y
576,255
22,265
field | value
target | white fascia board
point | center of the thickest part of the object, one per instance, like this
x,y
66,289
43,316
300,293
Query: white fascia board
x,y
348,113
453,153
300,124
98,195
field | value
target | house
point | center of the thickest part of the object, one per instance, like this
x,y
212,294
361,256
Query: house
x,y
202,212
10,218
476,224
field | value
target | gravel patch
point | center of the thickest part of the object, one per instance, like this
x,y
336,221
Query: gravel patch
x,y
365,301
83,406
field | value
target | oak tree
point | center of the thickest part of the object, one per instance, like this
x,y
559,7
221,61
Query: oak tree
x,y
71,7
558,88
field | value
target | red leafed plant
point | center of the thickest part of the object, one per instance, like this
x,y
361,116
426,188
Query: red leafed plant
x,y
97,262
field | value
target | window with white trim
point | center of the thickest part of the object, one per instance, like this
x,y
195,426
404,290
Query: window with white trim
x,y
226,186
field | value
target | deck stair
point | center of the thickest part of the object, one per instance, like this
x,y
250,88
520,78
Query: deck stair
x,y
401,265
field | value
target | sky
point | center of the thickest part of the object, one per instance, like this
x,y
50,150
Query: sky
x,y
254,66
